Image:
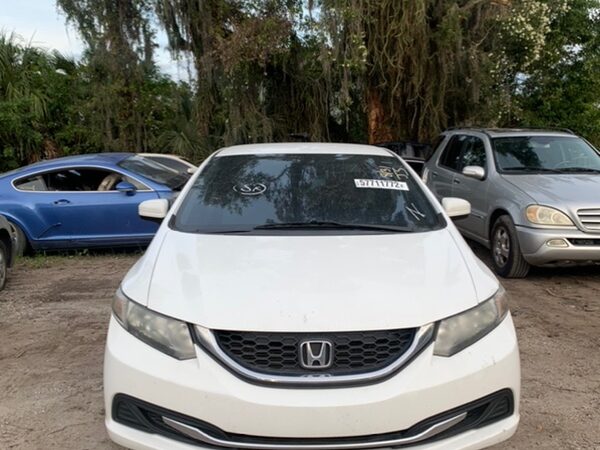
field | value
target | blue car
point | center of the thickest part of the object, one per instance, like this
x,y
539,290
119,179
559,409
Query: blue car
x,y
85,201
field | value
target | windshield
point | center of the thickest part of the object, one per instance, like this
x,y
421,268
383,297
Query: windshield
x,y
243,192
154,171
171,163
547,154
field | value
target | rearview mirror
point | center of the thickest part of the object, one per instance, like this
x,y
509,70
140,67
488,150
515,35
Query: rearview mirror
x,y
476,172
456,208
155,209
125,187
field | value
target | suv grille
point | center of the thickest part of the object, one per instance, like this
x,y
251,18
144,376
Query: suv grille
x,y
279,353
590,219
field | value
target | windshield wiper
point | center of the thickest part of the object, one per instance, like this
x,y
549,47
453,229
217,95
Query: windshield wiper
x,y
579,169
530,169
331,224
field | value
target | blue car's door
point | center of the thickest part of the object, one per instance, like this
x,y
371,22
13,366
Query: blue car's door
x,y
80,205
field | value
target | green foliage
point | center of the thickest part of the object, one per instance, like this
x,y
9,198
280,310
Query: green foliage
x,y
335,70
52,106
562,89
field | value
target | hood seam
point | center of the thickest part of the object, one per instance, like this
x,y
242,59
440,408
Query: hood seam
x,y
158,251
467,266
522,191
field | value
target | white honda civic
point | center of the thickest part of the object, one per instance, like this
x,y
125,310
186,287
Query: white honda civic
x,y
309,296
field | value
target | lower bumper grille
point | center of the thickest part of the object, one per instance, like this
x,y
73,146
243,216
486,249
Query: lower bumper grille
x,y
585,242
153,419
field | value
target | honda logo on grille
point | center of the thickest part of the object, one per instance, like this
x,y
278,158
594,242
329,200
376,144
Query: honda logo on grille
x,y
316,354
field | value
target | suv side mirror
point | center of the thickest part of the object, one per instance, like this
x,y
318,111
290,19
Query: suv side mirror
x,y
155,209
456,208
476,172
125,187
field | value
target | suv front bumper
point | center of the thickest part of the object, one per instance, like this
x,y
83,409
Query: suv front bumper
x,y
578,247
203,390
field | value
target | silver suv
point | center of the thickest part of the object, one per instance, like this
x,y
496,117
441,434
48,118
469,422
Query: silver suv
x,y
535,194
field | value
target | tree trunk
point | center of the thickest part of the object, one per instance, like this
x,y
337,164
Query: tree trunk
x,y
378,127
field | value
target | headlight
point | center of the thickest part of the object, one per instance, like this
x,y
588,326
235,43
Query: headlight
x,y
458,332
165,334
544,215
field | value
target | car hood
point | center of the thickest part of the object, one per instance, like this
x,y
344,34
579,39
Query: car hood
x,y
558,190
311,283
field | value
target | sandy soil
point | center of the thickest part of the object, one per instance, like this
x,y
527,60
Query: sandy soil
x,y
54,313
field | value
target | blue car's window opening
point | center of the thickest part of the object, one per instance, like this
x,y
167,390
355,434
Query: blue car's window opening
x,y
546,153
75,179
35,183
154,171
245,191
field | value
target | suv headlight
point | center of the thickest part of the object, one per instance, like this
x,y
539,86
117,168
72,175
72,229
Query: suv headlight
x,y
458,332
544,215
170,336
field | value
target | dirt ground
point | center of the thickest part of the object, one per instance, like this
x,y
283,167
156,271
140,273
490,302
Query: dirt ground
x,y
54,314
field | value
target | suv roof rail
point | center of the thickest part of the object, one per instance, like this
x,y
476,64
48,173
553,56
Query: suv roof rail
x,y
566,130
483,130
466,127
487,129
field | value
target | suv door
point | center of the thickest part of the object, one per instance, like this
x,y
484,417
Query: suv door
x,y
442,173
475,191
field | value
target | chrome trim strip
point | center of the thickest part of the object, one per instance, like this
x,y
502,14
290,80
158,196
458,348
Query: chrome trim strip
x,y
423,337
201,436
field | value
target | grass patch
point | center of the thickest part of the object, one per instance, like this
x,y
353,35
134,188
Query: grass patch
x,y
41,260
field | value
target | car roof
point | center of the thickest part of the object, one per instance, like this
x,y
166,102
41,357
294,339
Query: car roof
x,y
165,155
107,157
90,158
509,132
303,147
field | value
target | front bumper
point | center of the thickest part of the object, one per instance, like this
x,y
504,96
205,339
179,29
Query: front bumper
x,y
579,247
204,390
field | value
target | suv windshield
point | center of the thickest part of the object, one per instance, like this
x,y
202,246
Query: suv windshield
x,y
154,171
545,154
243,193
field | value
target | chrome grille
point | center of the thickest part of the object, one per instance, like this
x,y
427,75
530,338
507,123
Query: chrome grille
x,y
353,352
590,219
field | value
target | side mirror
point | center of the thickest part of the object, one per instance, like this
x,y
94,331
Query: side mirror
x,y
125,187
155,210
191,170
476,172
456,208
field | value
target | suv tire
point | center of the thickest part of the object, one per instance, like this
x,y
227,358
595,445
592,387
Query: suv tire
x,y
506,253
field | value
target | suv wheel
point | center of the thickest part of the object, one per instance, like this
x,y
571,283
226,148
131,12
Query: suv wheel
x,y
506,253
3,264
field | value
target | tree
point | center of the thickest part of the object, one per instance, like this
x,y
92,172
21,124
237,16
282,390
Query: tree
x,y
120,48
30,79
562,88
